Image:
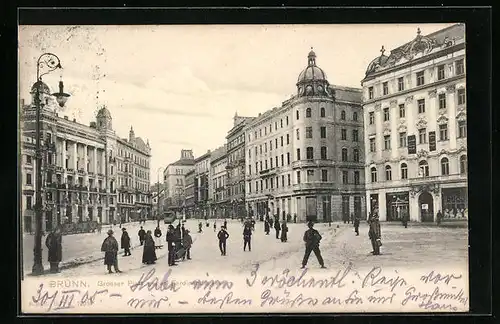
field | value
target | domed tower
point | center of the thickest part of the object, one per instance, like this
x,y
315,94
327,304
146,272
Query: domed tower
x,y
104,120
312,80
131,135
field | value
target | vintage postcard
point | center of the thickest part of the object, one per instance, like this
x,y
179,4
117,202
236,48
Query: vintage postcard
x,y
243,168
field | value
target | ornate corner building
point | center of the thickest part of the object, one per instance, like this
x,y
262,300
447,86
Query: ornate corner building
x,y
89,173
414,103
306,158
174,182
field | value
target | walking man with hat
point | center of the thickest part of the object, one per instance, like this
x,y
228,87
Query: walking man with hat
x,y
110,249
312,239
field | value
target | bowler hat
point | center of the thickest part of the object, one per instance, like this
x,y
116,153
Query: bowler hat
x,y
124,229
310,223
110,232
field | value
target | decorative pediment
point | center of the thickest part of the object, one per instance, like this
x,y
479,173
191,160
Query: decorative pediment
x,y
393,103
420,45
432,93
442,119
460,86
378,105
462,148
421,123
462,116
387,129
451,88
422,153
443,152
409,99
402,128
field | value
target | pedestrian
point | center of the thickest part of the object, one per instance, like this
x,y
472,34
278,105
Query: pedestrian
x,y
142,235
267,226
404,219
312,239
110,249
374,233
439,217
171,245
157,239
225,224
99,228
356,225
125,242
53,242
295,218
277,227
149,253
222,236
284,231
200,227
215,226
247,238
187,242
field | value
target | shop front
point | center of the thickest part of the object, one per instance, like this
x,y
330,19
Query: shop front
x,y
454,203
397,205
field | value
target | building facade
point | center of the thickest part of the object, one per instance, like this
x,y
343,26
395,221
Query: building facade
x,y
306,158
79,171
416,128
174,181
190,198
201,185
217,185
235,166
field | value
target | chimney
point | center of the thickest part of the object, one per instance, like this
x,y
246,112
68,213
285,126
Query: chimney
x,y
74,120
66,117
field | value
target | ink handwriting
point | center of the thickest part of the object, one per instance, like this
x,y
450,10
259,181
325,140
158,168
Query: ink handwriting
x,y
436,278
286,280
227,299
147,281
66,299
148,303
374,278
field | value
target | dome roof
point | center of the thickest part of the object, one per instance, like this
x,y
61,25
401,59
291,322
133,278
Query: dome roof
x,y
312,72
42,86
104,113
376,62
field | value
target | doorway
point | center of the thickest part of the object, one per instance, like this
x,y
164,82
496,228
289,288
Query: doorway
x,y
426,206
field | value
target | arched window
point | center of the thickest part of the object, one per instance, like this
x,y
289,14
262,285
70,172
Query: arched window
x,y
344,154
404,171
423,169
297,113
463,164
445,166
310,153
355,155
388,173
355,116
342,115
374,174
308,112
322,111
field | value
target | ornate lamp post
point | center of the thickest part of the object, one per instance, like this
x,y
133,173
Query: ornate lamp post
x,y
158,196
50,62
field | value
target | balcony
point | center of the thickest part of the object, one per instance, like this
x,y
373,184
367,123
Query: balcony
x,y
101,190
91,174
81,172
267,172
101,175
59,168
316,186
70,170
312,164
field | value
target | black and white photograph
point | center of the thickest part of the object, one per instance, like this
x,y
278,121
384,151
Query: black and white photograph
x,y
243,168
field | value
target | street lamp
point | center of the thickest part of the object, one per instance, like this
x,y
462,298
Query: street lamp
x,y
50,62
158,196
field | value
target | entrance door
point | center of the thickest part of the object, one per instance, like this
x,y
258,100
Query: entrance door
x,y
327,217
311,214
28,224
426,206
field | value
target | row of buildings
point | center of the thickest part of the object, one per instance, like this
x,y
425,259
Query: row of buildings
x,y
330,152
89,173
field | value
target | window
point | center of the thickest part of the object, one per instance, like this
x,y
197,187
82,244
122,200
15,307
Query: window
x,y
355,116
282,160
298,177
28,179
276,160
29,202
388,173
309,132
308,113
386,114
281,141
445,166
281,123
370,93
424,169
402,139
404,171
289,179
323,153
420,78
344,154
463,164
355,155
270,162
441,75
343,134
324,175
287,139
28,159
422,136
443,132
356,177
276,142
266,163
442,101
462,129
372,145
402,111
309,153
265,147
310,175
461,96
322,112
342,115
345,177
459,67
298,154
282,180
323,131
297,114
387,142
385,88
371,116
355,136
288,158
297,131
256,167
401,84
374,174
421,106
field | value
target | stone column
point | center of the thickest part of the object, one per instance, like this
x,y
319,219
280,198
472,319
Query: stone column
x,y
379,124
451,107
85,161
94,160
64,155
75,156
394,113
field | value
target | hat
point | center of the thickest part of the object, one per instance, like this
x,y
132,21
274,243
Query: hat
x,y
124,229
171,226
187,231
310,223
110,232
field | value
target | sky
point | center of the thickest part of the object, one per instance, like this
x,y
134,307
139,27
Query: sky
x,y
179,86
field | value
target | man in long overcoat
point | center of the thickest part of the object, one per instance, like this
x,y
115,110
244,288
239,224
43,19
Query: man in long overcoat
x,y
284,232
277,227
125,242
267,226
54,246
149,254
312,239
375,233
142,235
110,249
171,239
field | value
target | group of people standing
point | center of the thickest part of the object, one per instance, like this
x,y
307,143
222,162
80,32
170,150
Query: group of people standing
x,y
279,228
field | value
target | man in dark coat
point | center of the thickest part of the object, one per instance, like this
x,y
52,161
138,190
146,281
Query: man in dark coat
x,y
312,239
277,227
110,249
142,235
187,242
374,233
356,224
149,253
53,242
125,242
157,239
439,217
222,236
247,237
171,245
225,224
200,227
267,226
284,232
404,218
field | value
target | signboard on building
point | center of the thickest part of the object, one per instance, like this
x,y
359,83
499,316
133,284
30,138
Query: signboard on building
x,y
432,141
425,206
412,144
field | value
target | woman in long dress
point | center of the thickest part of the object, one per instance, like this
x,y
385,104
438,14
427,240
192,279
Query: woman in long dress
x,y
149,253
